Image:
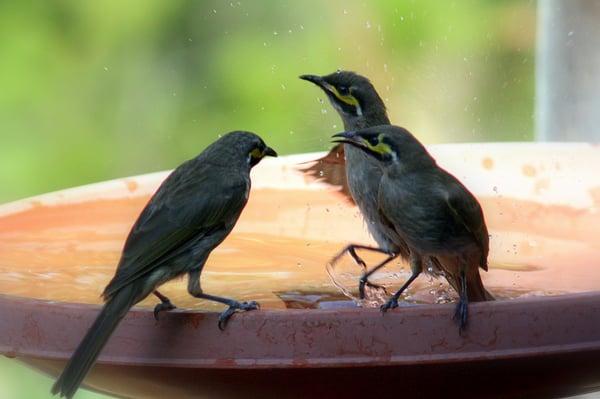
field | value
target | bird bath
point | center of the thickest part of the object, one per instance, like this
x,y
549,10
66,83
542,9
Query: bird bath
x,y
541,203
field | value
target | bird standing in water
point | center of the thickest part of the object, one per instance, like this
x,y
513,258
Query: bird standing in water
x,y
360,106
190,214
429,210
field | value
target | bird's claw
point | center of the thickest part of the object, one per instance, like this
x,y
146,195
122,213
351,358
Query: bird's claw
x,y
392,303
461,314
241,306
167,305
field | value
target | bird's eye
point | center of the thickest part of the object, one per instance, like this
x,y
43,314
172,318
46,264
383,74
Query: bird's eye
x,y
343,90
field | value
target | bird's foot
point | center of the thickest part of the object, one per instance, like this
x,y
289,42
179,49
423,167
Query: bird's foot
x,y
236,306
461,314
392,303
166,305
364,281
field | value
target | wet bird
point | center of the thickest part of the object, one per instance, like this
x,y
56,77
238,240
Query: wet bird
x,y
427,208
360,106
190,214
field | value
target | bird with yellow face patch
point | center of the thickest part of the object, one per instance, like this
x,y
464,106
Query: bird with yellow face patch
x,y
190,214
427,209
359,106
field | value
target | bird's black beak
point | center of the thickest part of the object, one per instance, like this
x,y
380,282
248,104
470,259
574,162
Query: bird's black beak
x,y
270,152
313,79
349,137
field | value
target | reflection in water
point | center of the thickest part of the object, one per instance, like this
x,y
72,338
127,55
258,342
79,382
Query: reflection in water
x,y
277,255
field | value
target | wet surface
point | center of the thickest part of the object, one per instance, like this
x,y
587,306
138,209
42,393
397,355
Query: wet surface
x,y
278,252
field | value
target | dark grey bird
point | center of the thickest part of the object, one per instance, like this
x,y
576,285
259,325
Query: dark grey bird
x,y
359,106
190,214
429,209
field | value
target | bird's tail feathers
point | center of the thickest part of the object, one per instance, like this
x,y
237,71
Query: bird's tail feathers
x,y
88,350
476,292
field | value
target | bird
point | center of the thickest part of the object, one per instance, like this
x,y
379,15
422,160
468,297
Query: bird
x,y
359,105
429,209
190,214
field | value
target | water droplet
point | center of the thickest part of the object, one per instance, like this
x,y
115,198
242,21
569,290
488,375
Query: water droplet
x,y
385,67
106,68
345,11
302,27
282,86
368,24
214,11
323,111
275,33
334,126
321,173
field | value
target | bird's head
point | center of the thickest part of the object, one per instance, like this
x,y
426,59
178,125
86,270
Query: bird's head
x,y
247,145
386,143
353,96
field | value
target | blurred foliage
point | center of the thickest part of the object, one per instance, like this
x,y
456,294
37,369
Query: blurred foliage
x,y
17,381
97,90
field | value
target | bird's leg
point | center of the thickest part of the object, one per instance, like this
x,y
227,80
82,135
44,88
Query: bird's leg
x,y
165,304
462,308
196,291
364,279
416,267
351,249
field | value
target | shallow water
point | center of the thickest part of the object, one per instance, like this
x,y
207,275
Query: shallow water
x,y
277,254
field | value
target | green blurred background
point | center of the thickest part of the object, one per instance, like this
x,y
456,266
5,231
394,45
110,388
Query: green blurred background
x,y
91,91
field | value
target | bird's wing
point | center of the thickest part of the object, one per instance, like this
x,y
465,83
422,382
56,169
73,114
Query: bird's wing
x,y
331,169
466,210
186,208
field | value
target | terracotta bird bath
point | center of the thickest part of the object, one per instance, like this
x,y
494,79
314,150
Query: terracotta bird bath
x,y
540,338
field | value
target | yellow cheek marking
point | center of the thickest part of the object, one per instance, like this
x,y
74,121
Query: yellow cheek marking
x,y
380,147
256,153
348,98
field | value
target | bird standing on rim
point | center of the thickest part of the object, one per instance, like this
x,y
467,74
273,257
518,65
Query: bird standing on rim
x,y
428,209
191,213
359,106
